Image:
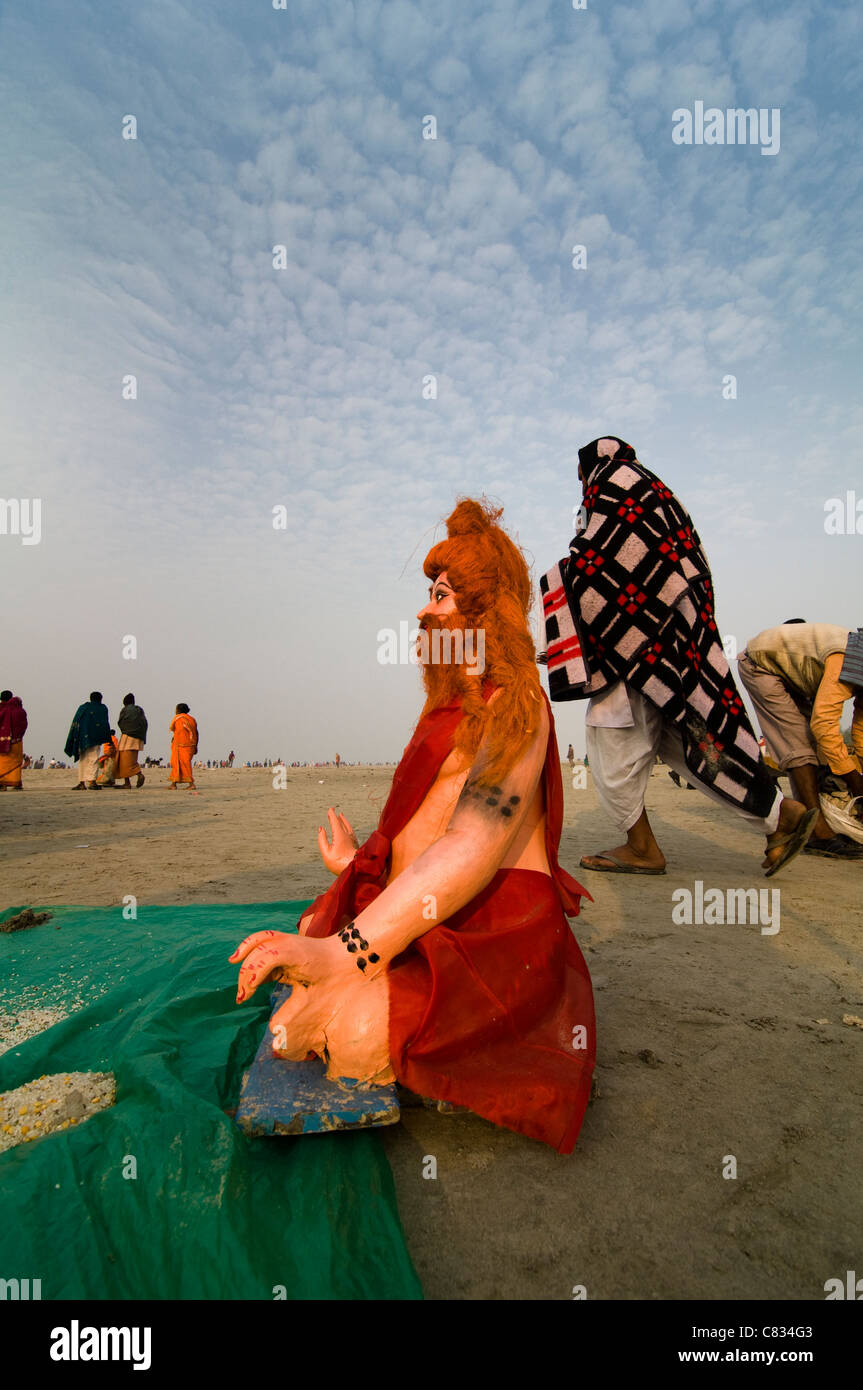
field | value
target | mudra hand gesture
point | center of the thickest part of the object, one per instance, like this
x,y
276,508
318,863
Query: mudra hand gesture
x,y
338,855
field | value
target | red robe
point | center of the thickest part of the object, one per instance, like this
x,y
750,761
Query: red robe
x,y
492,1009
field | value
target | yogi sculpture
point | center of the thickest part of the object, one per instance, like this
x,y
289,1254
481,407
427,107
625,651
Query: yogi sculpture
x,y
442,956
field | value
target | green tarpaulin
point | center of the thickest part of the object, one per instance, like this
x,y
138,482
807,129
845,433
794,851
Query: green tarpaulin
x,y
211,1213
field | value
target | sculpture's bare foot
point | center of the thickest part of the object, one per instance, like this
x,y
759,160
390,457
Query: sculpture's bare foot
x,y
347,1027
334,1009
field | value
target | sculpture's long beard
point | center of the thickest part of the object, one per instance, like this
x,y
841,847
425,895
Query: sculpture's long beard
x,y
444,681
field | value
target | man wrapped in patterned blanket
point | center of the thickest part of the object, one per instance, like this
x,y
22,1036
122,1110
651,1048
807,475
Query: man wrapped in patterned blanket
x,y
630,623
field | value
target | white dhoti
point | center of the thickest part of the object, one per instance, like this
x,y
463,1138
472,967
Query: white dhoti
x,y
88,763
625,734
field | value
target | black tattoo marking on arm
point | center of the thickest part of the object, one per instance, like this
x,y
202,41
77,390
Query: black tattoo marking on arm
x,y
487,796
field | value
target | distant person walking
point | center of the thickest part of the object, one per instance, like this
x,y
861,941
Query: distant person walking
x,y
570,757
132,723
90,728
231,757
338,761
184,746
13,726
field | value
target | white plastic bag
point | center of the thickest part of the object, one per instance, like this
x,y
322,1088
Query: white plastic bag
x,y
837,811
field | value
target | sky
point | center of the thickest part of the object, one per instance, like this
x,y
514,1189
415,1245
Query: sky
x,y
149,261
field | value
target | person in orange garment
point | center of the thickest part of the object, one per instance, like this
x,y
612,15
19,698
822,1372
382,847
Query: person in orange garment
x,y
441,957
107,761
184,746
13,726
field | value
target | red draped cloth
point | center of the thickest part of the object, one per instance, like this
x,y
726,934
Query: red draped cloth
x,y
492,1009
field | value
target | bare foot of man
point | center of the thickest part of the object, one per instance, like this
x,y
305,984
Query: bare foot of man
x,y
624,860
796,825
640,855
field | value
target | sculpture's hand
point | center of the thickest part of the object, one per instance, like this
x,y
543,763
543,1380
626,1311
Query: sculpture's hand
x,y
284,956
338,855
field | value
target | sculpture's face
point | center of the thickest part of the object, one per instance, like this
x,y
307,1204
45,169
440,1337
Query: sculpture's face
x,y
441,600
442,666
440,611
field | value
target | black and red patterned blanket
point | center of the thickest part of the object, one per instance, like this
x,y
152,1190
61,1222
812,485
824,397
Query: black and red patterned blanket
x,y
633,601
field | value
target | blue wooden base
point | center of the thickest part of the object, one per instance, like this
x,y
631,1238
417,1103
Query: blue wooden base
x,y
281,1097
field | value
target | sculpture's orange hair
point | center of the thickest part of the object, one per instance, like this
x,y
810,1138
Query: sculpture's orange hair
x,y
490,579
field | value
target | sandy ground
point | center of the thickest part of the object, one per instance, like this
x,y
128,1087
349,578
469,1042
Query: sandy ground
x,y
715,1042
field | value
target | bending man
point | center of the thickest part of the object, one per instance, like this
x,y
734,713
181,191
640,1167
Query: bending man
x,y
799,676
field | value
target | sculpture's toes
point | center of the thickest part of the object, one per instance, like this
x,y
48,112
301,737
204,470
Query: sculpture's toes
x,y
358,1037
298,1026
